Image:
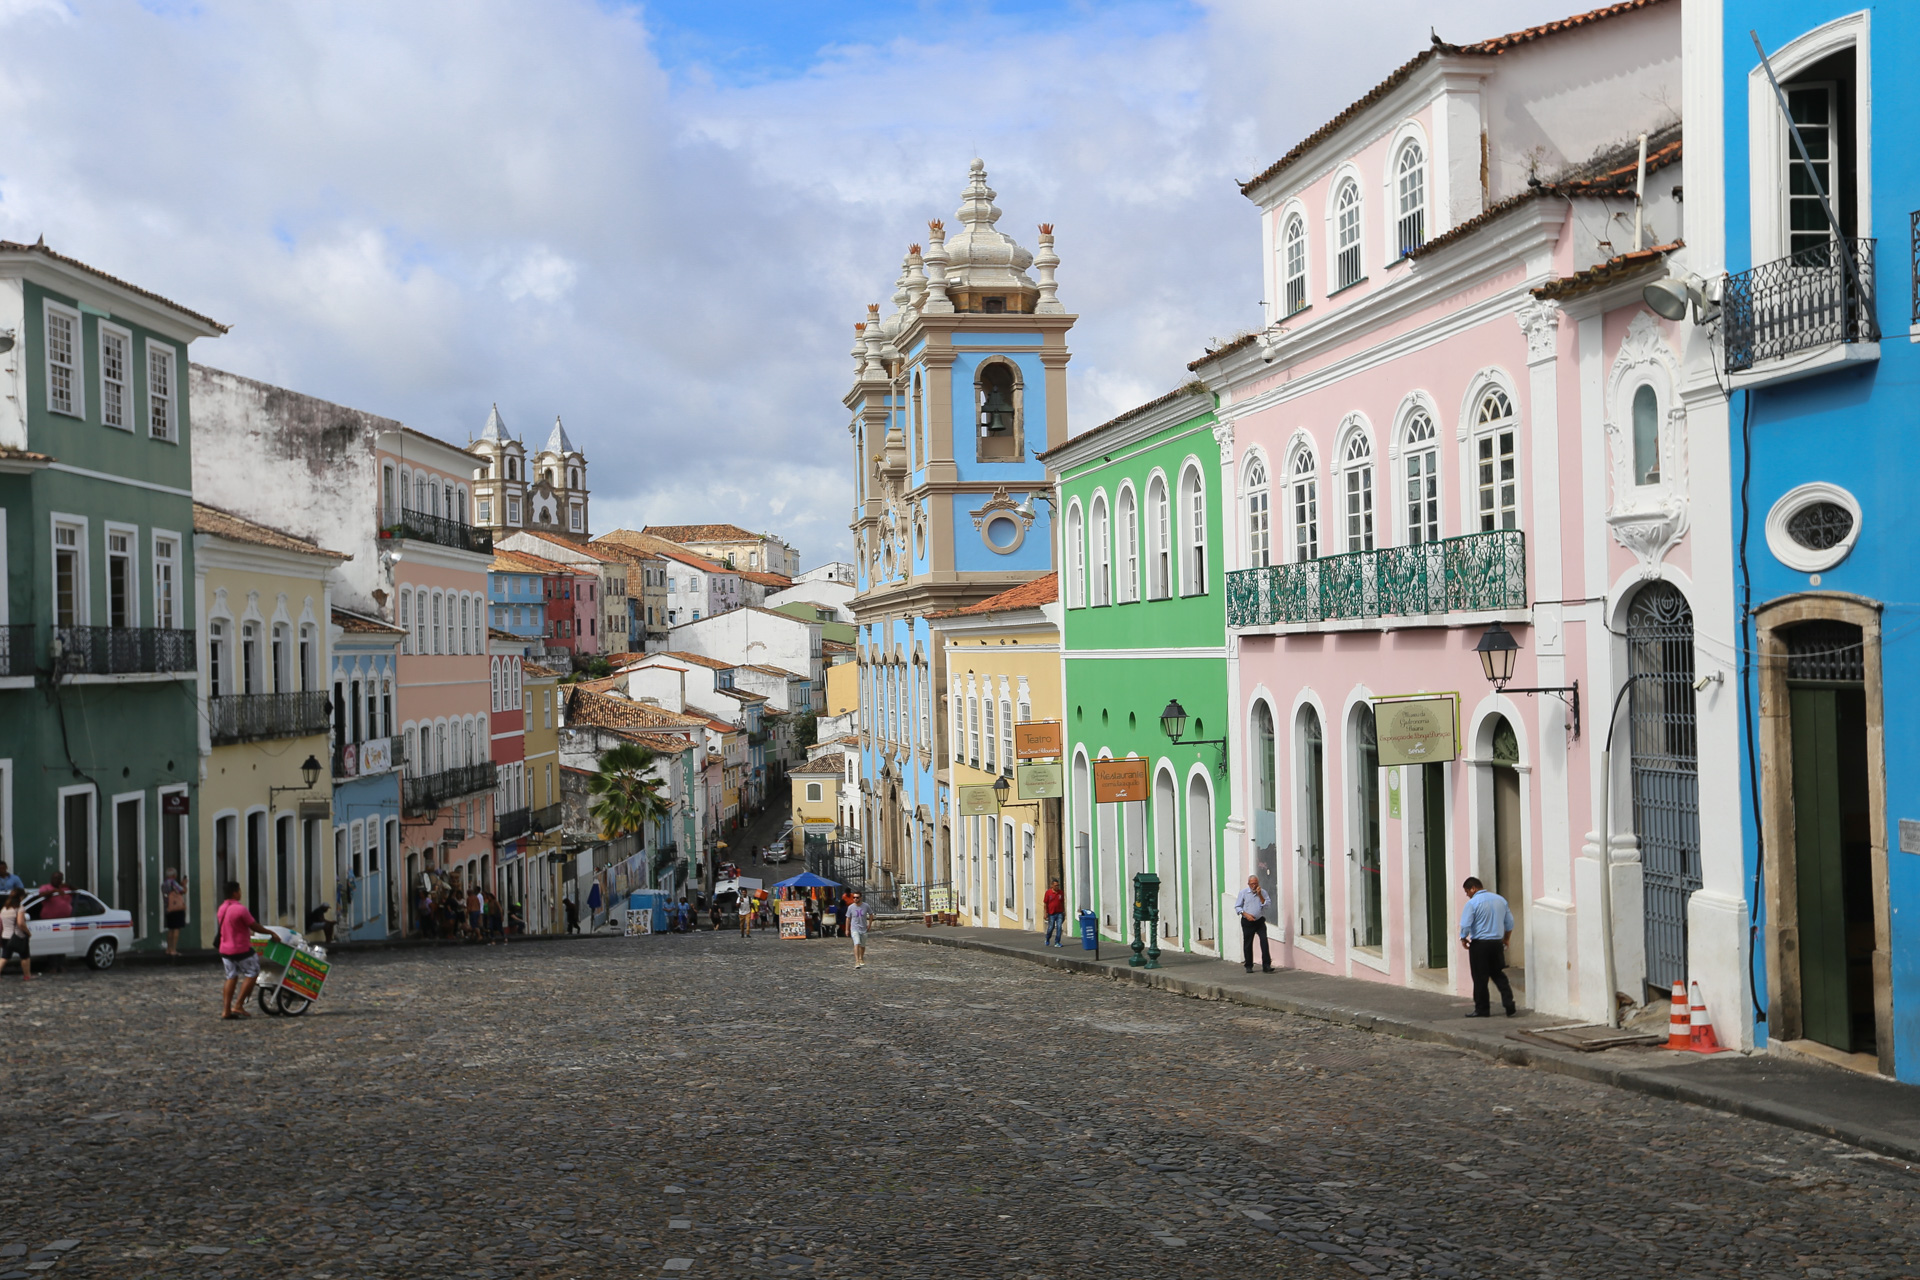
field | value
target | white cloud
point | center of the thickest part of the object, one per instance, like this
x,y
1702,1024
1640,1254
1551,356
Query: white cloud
x,y
421,209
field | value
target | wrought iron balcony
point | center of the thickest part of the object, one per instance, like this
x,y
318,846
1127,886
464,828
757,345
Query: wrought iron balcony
x,y
244,717
426,794
441,530
511,825
1794,304
16,649
1473,572
549,818
115,651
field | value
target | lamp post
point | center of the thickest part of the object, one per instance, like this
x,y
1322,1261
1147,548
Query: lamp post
x,y
1173,723
1498,650
309,771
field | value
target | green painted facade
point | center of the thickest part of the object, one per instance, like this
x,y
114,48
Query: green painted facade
x,y
1157,633
98,714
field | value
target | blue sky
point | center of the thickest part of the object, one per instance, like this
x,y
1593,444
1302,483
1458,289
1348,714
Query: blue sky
x,y
661,220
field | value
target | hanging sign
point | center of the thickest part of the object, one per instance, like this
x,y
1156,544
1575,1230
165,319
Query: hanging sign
x,y
1415,731
1119,781
1393,792
793,919
174,804
1039,781
1039,740
978,801
376,756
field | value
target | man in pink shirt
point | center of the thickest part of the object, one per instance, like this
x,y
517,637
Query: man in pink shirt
x,y
235,925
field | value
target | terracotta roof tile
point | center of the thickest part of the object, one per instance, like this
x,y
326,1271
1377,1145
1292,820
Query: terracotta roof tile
x,y
9,453
1044,589
534,671
711,663
1497,45
579,546
361,624
1605,273
587,707
779,580
659,546
834,764
684,533
8,246
225,524
776,671
505,561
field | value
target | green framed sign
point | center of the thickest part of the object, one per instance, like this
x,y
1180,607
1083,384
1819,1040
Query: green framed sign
x,y
1039,781
975,802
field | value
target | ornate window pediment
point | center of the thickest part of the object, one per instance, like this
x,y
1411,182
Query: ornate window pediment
x,y
1649,504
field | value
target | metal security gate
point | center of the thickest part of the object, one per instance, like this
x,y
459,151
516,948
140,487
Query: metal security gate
x,y
1666,773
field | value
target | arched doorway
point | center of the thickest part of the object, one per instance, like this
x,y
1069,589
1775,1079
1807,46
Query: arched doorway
x,y
1166,839
1665,772
1200,864
1509,866
1366,827
1311,829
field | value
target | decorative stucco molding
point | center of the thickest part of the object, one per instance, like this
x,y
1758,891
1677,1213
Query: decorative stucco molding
x,y
1223,436
1647,519
1540,322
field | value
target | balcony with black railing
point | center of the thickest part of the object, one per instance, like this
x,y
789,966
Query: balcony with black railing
x,y
16,649
425,794
1472,573
441,530
248,717
511,825
548,818
1819,297
123,651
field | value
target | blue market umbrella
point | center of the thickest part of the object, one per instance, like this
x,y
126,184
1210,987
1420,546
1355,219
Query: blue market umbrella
x,y
808,880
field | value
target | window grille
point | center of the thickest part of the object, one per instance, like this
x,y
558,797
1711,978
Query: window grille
x,y
113,378
1412,223
1346,224
1294,258
63,333
160,392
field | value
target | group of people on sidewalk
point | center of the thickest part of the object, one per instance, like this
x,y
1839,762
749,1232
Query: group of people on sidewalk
x,y
477,916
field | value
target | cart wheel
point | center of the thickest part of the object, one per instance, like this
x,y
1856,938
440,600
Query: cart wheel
x,y
265,998
291,1005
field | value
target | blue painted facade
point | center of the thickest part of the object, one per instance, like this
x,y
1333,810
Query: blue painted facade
x,y
366,802
1821,437
518,603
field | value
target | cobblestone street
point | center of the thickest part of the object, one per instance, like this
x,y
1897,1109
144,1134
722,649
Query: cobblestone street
x,y
713,1106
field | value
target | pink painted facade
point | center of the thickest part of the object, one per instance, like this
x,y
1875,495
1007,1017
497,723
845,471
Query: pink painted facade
x,y
1427,439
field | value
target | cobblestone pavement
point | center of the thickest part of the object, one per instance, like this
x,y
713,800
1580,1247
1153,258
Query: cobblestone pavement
x,y
713,1106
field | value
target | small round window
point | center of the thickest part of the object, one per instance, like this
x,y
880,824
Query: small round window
x,y
1001,531
1813,527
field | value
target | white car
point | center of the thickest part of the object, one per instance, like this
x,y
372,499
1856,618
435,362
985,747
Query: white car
x,y
93,929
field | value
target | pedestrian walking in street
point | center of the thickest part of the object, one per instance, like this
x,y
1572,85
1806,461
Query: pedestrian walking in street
x,y
857,918
1486,926
1251,906
16,939
1056,905
475,908
173,894
573,916
234,926
744,906
9,881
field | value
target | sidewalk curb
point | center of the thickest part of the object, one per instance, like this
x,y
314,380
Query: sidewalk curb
x,y
356,948
1580,1066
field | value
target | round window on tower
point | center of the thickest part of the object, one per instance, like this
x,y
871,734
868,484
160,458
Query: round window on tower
x,y
1813,527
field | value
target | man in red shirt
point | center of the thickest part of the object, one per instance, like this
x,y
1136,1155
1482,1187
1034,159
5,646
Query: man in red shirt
x,y
234,926
59,898
1056,904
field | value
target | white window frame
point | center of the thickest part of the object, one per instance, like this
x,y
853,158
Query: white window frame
x,y
1100,584
1194,551
93,835
1076,556
1126,523
1160,556
814,792
1489,430
1293,264
1303,505
83,584
174,603
1344,216
169,429
108,529
1769,142
1420,517
1257,511
76,368
1359,521
113,333
1403,243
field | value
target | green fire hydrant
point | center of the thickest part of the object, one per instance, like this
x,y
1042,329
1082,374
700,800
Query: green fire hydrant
x,y
1146,911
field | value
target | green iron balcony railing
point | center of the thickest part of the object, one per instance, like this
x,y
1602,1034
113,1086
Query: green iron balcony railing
x,y
1473,572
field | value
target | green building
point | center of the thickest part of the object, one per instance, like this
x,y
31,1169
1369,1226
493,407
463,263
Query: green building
x,y
1142,583
99,741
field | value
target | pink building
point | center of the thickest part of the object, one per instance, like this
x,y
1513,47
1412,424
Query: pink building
x,y
1460,414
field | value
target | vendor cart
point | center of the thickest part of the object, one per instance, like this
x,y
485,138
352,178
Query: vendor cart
x,y
293,971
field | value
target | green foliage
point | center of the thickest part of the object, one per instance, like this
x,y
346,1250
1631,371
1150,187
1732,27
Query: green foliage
x,y
625,798
806,730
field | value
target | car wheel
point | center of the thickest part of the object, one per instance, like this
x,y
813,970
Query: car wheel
x,y
264,997
291,1005
100,954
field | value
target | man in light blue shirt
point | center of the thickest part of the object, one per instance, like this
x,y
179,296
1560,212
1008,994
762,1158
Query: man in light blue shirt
x,y
1486,926
1251,907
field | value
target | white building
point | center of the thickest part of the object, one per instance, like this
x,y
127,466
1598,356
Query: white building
x,y
745,637
696,586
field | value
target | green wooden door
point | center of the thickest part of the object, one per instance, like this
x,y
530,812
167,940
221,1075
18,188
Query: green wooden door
x,y
1433,804
1816,838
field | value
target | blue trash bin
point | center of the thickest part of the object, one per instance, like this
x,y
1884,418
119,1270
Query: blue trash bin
x,y
1089,931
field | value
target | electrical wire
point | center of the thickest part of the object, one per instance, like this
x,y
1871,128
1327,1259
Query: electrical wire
x,y
1746,694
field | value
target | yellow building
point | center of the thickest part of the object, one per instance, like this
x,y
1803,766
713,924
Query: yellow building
x,y
265,785
536,882
816,801
843,689
1002,661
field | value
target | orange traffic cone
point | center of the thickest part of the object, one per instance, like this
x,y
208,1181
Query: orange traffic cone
x,y
1679,1029
1703,1039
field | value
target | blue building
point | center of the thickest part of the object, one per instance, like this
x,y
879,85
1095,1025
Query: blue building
x,y
955,394
1811,224
367,755
516,596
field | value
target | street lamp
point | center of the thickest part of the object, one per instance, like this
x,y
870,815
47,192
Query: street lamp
x,y
309,770
1001,790
1498,651
1173,723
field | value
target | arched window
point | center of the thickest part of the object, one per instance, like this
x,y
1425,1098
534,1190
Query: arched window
x,y
1193,521
406,620
1496,471
1306,507
1102,583
1646,436
1346,233
439,644
1127,523
1076,559
1006,732
1422,455
1159,541
989,735
1259,517
1356,471
996,392
973,727
1411,187
1311,834
919,426
496,684
1293,264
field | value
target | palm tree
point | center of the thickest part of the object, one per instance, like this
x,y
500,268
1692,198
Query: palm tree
x,y
625,798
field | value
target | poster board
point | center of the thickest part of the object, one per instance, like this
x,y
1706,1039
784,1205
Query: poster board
x,y
1416,731
1040,781
1039,740
975,802
639,921
1119,781
305,975
793,919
